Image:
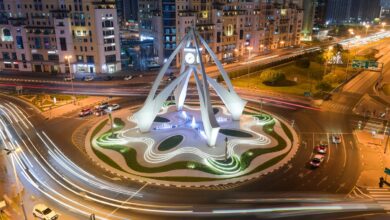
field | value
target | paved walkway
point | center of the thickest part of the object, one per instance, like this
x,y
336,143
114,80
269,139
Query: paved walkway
x,y
373,158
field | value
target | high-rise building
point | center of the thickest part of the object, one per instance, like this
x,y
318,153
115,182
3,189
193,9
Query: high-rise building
x,y
309,7
320,13
232,28
352,11
127,10
59,36
385,10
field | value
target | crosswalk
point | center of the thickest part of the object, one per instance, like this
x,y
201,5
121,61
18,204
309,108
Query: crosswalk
x,y
372,125
381,196
335,107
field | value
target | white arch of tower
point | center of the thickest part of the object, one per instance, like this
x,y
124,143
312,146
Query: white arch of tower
x,y
235,105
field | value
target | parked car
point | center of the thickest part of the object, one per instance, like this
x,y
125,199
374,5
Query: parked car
x,y
88,78
103,105
68,78
322,148
108,78
129,77
336,139
316,160
43,212
85,112
100,112
115,107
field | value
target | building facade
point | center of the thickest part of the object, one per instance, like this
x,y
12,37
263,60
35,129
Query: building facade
x,y
233,29
59,36
352,11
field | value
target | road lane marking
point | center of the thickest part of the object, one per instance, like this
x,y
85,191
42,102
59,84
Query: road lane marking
x,y
323,180
345,151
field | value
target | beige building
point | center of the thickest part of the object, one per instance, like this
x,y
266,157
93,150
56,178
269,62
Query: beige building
x,y
59,36
234,29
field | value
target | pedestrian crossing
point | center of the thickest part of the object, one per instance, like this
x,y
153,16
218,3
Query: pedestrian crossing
x,y
381,196
335,107
371,125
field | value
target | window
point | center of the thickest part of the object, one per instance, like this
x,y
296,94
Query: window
x,y
63,44
110,58
53,57
6,56
90,59
80,58
37,43
14,57
38,57
19,42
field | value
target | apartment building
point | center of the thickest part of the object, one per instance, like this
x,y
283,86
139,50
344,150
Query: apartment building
x,y
234,29
59,36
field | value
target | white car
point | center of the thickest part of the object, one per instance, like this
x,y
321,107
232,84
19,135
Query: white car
x,y
68,78
43,212
115,107
128,77
88,78
336,139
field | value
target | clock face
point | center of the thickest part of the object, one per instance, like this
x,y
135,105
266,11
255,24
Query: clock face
x,y
189,58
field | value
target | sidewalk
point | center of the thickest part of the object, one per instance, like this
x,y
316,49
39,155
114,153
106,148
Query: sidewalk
x,y
373,158
89,102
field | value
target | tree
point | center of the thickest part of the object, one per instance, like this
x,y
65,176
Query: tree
x,y
272,76
323,86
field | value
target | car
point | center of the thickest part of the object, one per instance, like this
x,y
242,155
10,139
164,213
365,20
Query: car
x,y
336,139
68,78
128,78
100,112
322,148
103,105
88,78
115,107
108,78
43,212
316,160
85,112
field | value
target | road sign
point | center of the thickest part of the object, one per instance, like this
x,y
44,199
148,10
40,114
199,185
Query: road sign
x,y
365,64
387,171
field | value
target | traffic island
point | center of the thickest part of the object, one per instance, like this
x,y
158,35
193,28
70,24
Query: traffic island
x,y
175,152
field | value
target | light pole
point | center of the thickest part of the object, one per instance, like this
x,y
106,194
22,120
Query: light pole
x,y
367,27
67,58
383,26
226,148
249,65
18,189
109,111
282,43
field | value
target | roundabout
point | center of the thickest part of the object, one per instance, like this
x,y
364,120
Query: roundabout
x,y
194,143
175,152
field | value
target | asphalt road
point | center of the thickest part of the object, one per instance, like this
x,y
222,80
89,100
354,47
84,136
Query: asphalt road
x,y
51,175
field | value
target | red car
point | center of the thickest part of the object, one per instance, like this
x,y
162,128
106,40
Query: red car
x,y
85,112
322,148
316,160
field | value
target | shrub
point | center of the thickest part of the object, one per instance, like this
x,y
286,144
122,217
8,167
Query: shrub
x,y
272,76
323,86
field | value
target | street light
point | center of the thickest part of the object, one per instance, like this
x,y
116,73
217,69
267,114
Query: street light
x,y
249,65
109,111
367,27
9,152
67,58
383,26
282,43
